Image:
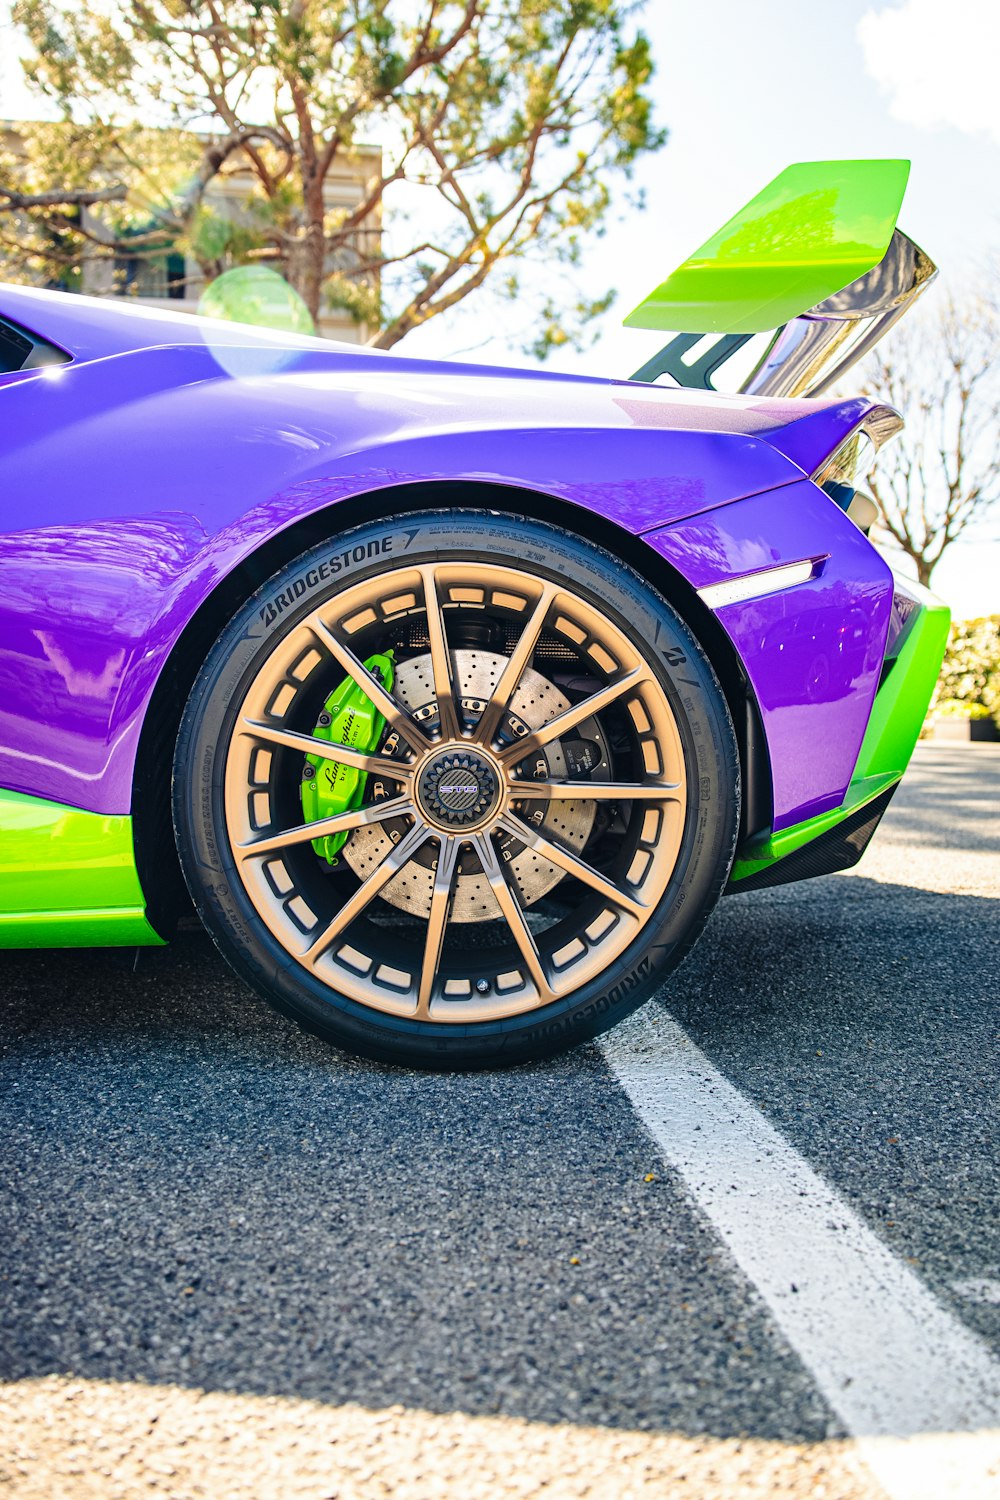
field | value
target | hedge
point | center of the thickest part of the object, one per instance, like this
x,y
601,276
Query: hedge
x,y
969,685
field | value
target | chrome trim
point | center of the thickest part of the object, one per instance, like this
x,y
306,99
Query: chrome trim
x,y
812,352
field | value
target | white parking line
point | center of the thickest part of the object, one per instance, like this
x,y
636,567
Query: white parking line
x,y
917,1389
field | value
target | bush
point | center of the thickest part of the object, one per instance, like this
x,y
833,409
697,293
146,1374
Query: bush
x,y
969,685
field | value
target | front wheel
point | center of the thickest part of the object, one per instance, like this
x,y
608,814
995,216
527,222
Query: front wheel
x,y
456,789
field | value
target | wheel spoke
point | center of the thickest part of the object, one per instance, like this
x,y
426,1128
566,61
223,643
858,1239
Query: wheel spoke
x,y
571,717
444,686
304,833
437,921
289,739
513,916
596,791
391,944
393,712
512,673
398,856
573,865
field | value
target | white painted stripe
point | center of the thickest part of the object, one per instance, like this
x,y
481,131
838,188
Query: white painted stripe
x,y
917,1389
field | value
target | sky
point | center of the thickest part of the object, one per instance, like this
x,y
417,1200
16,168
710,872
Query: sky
x,y
744,89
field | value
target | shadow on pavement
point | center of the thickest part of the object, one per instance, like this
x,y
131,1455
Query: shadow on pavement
x,y
948,800
198,1194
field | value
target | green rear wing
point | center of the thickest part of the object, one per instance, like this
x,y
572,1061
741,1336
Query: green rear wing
x,y
815,259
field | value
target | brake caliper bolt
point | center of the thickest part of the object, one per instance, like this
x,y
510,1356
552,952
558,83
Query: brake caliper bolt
x,y
308,772
324,720
483,986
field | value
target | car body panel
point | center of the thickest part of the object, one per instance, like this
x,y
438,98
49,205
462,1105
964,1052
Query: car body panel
x,y
814,686
893,729
66,860
137,479
88,328
154,474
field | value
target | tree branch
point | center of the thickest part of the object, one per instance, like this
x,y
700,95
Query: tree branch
x,y
62,197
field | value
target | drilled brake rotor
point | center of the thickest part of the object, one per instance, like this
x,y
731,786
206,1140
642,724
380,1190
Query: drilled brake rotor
x,y
569,823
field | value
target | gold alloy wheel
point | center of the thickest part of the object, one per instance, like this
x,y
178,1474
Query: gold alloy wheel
x,y
521,818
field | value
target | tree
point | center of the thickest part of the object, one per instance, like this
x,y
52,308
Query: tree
x,y
940,479
503,124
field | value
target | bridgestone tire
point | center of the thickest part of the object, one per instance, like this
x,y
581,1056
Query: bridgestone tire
x,y
677,663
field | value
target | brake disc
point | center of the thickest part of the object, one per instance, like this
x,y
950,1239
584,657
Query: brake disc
x,y
568,823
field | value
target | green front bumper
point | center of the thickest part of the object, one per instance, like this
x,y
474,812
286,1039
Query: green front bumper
x,y
68,878
898,712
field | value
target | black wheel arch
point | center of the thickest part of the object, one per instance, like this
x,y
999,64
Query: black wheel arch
x,y
156,855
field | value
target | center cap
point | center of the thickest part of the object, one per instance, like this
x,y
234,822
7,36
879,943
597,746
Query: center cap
x,y
458,788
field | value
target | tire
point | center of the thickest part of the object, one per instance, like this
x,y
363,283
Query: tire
x,y
493,902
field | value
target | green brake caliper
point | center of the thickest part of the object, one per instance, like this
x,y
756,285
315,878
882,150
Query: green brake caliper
x,y
349,718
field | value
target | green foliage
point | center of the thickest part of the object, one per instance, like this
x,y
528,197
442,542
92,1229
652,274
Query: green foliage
x,y
557,331
218,239
48,247
358,298
969,685
503,125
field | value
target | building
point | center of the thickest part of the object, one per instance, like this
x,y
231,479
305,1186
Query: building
x,y
174,280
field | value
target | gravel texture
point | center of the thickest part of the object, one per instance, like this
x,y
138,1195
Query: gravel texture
x,y
867,1026
235,1262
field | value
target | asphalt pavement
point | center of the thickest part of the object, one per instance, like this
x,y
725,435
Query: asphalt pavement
x,y
235,1262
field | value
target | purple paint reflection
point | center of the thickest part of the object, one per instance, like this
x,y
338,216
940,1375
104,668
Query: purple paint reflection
x,y
813,653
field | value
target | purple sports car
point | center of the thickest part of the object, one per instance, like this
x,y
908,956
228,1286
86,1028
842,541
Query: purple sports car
x,y
454,697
